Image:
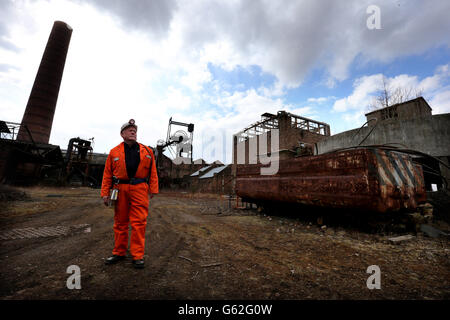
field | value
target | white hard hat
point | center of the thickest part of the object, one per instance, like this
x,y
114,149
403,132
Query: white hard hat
x,y
128,124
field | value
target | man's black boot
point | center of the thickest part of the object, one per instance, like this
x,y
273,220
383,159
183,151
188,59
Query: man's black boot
x,y
114,259
139,264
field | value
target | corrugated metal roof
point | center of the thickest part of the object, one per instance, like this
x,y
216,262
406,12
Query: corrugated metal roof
x,y
196,173
212,172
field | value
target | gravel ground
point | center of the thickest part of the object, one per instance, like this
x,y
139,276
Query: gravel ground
x,y
199,248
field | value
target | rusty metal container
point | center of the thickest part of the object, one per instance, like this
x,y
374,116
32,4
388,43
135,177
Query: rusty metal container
x,y
369,179
38,116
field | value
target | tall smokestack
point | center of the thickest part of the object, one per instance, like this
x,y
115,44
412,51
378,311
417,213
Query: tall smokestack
x,y
38,116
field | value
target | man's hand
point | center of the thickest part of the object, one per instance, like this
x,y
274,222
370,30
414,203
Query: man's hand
x,y
106,200
151,195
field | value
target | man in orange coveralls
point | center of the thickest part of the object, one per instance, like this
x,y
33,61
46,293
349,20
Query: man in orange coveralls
x,y
130,168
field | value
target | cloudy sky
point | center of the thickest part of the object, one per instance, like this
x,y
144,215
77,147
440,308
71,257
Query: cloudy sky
x,y
221,64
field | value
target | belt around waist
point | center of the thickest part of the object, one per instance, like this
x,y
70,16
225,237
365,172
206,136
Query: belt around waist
x,y
133,181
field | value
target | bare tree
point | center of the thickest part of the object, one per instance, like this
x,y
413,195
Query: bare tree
x,y
387,95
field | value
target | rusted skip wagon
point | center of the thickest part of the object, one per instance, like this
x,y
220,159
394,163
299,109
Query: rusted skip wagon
x,y
370,179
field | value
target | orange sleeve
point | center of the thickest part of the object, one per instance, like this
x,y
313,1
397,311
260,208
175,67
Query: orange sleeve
x,y
154,188
107,177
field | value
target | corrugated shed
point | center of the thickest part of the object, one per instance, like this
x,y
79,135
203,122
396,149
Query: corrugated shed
x,y
212,172
196,173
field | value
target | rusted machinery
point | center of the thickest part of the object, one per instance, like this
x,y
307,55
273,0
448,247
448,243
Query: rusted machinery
x,y
24,162
179,145
78,163
370,179
180,139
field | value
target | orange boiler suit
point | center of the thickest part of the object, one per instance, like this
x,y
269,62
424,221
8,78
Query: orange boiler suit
x,y
133,199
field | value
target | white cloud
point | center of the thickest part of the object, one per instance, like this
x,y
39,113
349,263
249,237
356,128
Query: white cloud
x,y
317,100
152,16
440,103
175,99
307,111
355,117
361,96
435,82
196,76
320,100
276,90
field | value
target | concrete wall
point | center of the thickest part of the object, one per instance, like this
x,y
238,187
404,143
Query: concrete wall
x,y
430,135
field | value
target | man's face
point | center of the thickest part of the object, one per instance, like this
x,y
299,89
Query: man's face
x,y
129,134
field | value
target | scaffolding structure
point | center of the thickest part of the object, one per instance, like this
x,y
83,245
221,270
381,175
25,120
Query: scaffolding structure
x,y
268,122
271,121
310,125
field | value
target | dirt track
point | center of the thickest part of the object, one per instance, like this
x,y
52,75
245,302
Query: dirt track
x,y
195,252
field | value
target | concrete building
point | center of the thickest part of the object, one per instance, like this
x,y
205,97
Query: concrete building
x,y
411,109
